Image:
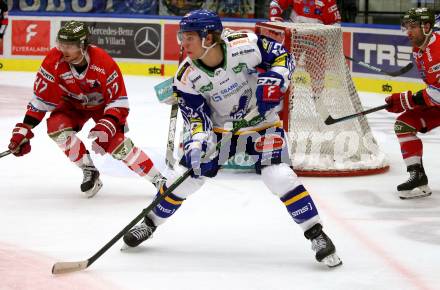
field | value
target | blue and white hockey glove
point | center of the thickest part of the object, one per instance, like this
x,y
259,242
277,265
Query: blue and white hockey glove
x,y
269,91
195,150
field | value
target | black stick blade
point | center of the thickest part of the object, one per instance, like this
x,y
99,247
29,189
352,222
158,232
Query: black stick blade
x,y
329,120
403,70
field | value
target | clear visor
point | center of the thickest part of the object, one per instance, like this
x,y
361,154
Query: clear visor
x,y
66,46
188,36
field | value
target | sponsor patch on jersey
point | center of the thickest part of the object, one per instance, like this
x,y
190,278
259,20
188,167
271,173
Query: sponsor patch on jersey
x,y
97,69
242,52
239,42
47,75
239,67
235,36
112,77
320,3
66,76
196,126
268,143
434,68
281,61
206,88
269,81
267,45
333,8
182,70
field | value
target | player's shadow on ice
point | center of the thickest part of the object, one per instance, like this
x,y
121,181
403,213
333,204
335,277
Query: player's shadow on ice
x,y
390,200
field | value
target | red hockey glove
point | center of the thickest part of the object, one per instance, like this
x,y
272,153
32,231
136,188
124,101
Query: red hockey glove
x,y
19,144
275,12
268,91
103,132
399,102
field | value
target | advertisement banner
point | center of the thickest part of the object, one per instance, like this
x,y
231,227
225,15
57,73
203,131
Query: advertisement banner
x,y
227,8
88,6
127,40
30,37
389,52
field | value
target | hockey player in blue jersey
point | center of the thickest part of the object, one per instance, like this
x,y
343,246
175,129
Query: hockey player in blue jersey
x,y
223,78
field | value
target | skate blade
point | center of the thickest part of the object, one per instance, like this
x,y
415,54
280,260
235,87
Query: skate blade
x,y
92,192
419,192
125,247
332,261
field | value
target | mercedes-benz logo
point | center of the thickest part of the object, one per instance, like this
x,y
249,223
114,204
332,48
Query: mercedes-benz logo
x,y
147,41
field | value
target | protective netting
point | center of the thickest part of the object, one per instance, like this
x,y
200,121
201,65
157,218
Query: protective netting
x,y
322,86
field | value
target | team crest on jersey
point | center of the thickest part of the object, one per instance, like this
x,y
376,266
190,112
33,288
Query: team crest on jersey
x,y
268,143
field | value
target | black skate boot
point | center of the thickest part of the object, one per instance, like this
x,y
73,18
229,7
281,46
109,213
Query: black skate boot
x,y
323,246
139,233
417,184
91,183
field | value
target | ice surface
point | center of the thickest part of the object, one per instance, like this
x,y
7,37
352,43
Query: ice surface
x,y
232,234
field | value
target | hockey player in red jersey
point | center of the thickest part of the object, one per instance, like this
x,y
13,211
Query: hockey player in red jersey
x,y
3,21
306,11
76,82
420,110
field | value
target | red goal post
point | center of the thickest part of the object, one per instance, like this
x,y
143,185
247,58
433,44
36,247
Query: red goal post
x,y
322,86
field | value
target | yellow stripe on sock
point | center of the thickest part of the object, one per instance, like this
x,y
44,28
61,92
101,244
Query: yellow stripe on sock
x,y
169,199
296,198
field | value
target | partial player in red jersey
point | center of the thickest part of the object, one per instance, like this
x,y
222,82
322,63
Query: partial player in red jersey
x,y
306,11
420,110
3,20
76,82
309,11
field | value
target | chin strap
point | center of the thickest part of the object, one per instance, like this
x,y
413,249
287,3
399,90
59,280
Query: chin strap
x,y
207,48
427,37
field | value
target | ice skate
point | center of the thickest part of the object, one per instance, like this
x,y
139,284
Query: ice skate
x,y
417,184
323,246
91,183
139,233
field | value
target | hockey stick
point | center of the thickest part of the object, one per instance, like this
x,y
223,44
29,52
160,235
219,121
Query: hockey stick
x,y
5,153
169,158
67,267
330,120
397,73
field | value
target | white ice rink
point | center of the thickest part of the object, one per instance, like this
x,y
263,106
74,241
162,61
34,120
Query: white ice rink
x,y
233,234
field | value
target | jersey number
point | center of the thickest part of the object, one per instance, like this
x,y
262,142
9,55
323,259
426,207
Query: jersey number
x,y
113,90
40,85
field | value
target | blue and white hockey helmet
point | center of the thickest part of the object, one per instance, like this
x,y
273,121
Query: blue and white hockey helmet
x,y
201,21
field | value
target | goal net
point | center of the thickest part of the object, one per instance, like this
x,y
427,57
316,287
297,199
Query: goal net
x,y
321,86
